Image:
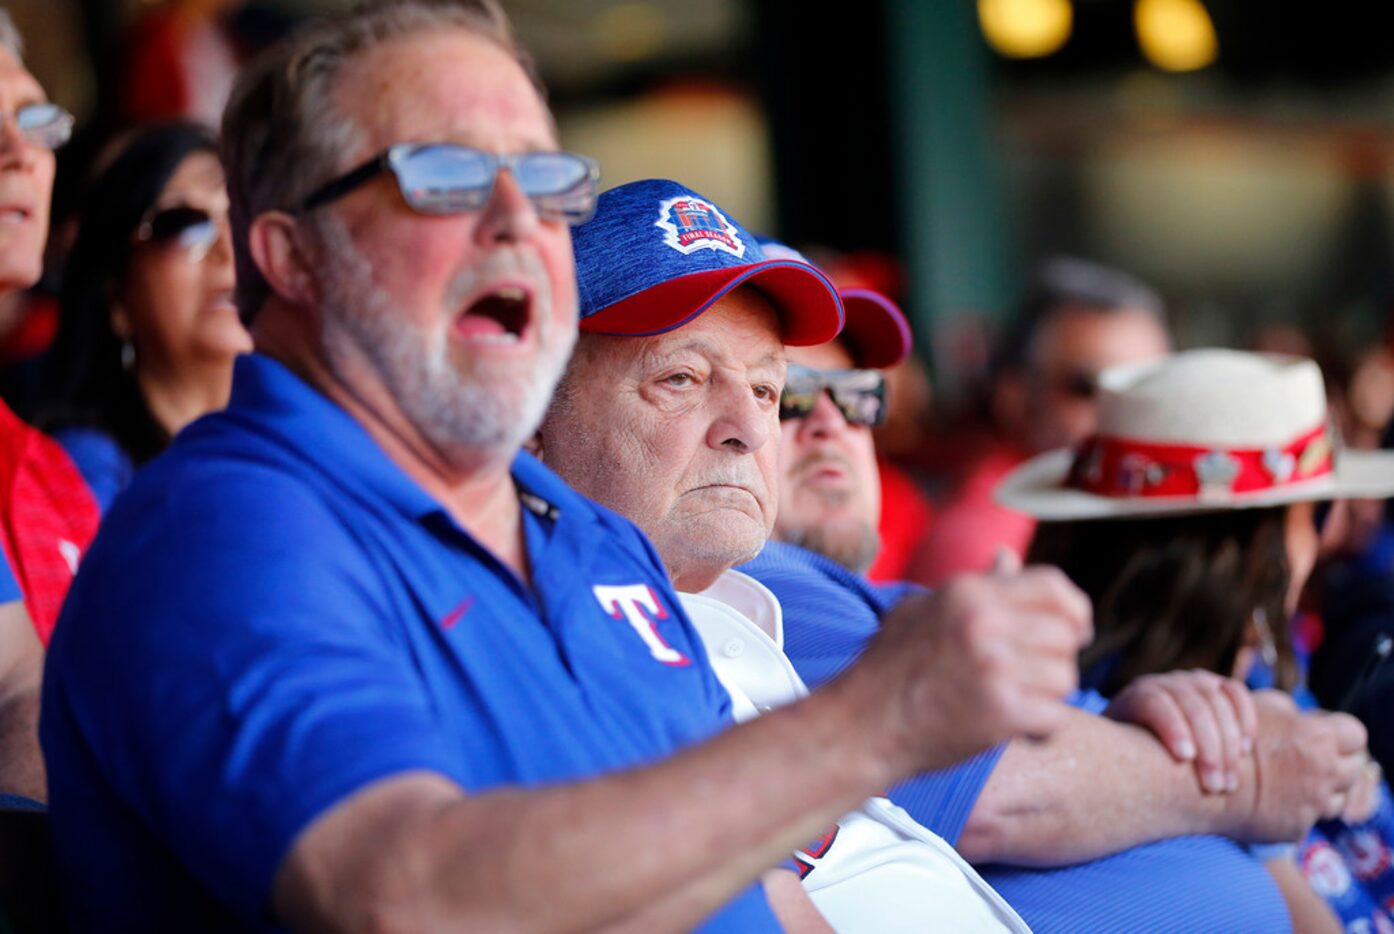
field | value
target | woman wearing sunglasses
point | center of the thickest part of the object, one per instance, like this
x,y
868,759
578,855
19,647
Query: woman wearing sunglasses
x,y
149,328
1190,519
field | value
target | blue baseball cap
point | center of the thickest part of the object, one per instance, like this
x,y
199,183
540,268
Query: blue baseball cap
x,y
876,333
656,255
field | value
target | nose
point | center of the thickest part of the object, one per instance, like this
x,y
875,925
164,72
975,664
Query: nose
x,y
221,251
824,421
509,216
743,423
15,149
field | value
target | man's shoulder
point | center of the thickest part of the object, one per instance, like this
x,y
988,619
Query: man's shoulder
x,y
803,579
549,491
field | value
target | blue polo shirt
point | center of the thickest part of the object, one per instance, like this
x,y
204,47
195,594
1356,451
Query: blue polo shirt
x,y
274,615
1197,884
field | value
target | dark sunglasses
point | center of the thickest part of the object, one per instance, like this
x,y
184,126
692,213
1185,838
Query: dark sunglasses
x,y
1076,384
444,178
860,395
183,226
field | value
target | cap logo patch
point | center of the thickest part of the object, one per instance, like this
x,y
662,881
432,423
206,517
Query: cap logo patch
x,y
691,224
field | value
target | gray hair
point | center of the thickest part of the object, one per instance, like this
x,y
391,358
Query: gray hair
x,y
10,37
1062,282
282,135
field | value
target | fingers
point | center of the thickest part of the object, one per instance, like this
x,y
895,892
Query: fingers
x,y
1349,732
1220,747
1242,700
1049,590
1199,717
1335,806
1145,703
1006,562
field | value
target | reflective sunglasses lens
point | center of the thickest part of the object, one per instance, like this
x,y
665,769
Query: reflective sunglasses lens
x,y
562,185
45,124
1078,385
864,407
549,173
802,387
860,395
796,404
444,179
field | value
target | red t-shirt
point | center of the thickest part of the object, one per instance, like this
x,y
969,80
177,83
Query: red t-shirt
x,y
47,517
970,526
905,514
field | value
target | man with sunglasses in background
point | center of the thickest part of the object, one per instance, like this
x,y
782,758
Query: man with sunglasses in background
x,y
390,672
47,515
1077,319
1100,808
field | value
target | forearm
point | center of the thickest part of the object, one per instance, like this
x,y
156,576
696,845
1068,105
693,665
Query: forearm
x,y
1310,912
676,840
1094,788
21,674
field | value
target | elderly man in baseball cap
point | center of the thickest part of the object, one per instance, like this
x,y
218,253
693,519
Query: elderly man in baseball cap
x,y
669,414
643,421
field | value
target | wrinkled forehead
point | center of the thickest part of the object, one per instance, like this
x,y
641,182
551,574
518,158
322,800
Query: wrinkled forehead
x,y
451,86
17,85
833,355
1084,337
741,329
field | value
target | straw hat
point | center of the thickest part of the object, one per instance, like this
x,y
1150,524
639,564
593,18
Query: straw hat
x,y
1201,431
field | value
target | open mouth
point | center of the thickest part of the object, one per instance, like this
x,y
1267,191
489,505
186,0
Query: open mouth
x,y
12,214
500,317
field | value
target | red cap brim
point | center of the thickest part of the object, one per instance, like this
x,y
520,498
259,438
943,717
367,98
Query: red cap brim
x,y
876,333
810,310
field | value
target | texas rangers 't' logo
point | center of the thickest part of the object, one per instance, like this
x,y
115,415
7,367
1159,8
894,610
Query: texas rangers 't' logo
x,y
631,602
691,224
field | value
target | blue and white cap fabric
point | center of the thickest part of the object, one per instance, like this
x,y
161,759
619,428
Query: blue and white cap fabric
x,y
657,254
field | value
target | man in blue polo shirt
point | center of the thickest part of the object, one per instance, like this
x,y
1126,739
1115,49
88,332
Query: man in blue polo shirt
x,y
656,405
344,658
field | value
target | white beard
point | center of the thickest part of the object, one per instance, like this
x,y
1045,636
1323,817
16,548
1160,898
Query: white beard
x,y
458,406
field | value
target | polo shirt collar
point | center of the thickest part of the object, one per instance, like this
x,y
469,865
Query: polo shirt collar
x,y
272,400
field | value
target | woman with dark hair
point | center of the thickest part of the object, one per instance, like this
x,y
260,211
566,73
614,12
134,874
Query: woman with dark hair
x,y
1189,518
149,328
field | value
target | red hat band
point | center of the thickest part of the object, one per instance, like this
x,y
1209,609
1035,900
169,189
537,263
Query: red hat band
x,y
1128,468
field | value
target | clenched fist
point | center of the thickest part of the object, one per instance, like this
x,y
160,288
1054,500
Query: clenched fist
x,y
984,659
1306,765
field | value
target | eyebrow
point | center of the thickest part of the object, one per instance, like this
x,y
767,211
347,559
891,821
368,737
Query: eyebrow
x,y
705,348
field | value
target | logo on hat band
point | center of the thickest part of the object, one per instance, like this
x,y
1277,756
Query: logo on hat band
x,y
690,224
1124,467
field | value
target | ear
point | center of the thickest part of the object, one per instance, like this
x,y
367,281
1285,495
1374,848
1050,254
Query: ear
x,y
279,247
